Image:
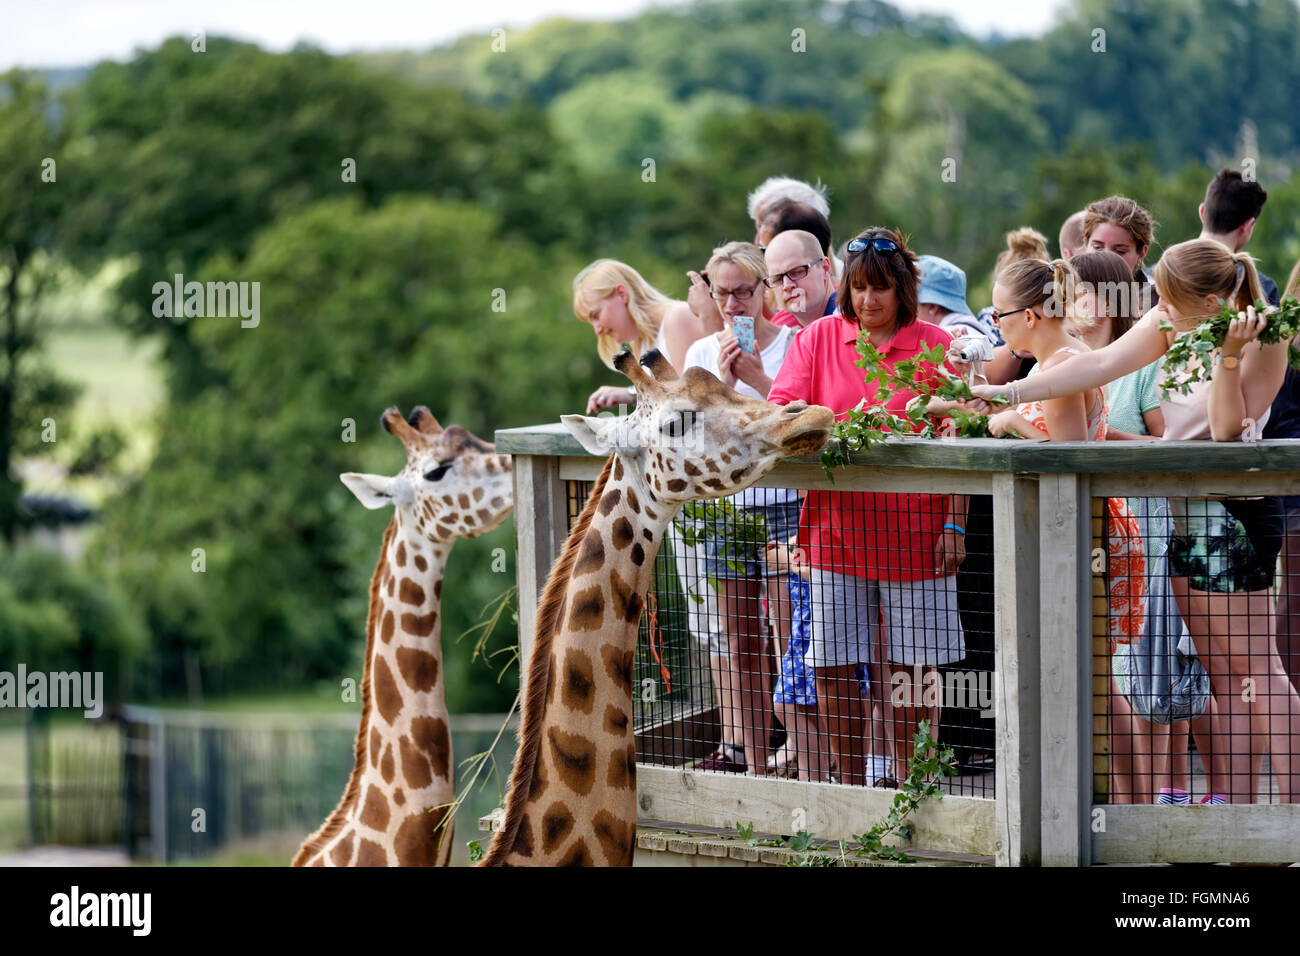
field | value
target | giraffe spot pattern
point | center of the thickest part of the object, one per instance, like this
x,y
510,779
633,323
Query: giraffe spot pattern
x,y
618,469
443,531
463,501
437,589
386,764
627,603
451,517
577,854
418,668
574,760
615,838
538,784
579,682
615,720
477,494
497,503
557,823
647,534
714,483
420,563
421,625
370,853
638,554
375,742
483,516
431,736
588,610
692,469
651,515
389,589
374,812
410,592
399,797
415,766
342,852
622,533
591,557
618,664
417,839
401,554
387,697
676,484
609,501
712,465
386,631
616,776
633,501
740,473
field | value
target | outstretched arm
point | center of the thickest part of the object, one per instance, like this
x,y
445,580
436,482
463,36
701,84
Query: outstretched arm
x,y
1136,348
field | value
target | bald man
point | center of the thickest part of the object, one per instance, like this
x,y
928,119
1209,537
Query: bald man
x,y
800,274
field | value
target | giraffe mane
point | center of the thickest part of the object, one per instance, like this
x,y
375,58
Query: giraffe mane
x,y
539,673
321,839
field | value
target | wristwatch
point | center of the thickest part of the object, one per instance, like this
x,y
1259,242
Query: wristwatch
x,y
1228,361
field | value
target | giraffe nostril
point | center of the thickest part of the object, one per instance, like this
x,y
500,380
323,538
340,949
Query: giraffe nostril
x,y
795,408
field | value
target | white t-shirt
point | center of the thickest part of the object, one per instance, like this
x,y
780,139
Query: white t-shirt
x,y
704,353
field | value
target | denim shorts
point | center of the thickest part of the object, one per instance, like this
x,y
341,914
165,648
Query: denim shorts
x,y
719,556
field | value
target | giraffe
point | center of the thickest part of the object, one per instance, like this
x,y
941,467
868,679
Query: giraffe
x,y
454,486
572,797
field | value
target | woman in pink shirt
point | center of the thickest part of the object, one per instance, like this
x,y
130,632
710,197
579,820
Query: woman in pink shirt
x,y
875,558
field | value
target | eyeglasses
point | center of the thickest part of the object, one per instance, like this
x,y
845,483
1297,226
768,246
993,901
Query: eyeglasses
x,y
741,295
997,316
794,275
880,244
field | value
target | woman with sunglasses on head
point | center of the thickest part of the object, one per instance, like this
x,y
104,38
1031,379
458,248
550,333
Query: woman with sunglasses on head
x,y
1223,553
746,360
875,559
622,307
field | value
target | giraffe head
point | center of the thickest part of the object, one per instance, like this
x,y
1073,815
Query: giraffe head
x,y
693,437
454,484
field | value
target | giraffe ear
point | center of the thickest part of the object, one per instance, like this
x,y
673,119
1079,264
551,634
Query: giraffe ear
x,y
371,490
592,433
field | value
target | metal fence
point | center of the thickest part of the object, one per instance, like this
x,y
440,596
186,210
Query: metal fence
x,y
1037,603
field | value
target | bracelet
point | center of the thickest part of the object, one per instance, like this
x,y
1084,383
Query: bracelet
x,y
956,527
1013,393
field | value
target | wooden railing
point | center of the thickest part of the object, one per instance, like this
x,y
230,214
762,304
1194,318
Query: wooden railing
x,y
1043,524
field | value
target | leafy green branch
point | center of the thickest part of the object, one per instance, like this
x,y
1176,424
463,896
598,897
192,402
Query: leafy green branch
x,y
739,533
928,766
871,423
1187,361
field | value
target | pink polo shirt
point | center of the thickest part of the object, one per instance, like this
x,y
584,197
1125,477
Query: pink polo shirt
x,y
888,537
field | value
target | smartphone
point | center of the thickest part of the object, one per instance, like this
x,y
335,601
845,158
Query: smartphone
x,y
742,326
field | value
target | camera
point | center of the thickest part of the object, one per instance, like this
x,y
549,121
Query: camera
x,y
971,348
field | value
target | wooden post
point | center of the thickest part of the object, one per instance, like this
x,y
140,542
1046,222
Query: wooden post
x,y
541,527
1016,666
1065,545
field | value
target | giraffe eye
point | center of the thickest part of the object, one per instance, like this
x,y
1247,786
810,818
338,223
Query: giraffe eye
x,y
678,424
436,473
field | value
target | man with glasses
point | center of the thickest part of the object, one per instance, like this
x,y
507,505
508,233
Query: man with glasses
x,y
800,275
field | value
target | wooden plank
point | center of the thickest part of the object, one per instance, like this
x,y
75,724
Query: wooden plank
x,y
829,811
541,527
1234,833
1065,710
1212,484
1016,666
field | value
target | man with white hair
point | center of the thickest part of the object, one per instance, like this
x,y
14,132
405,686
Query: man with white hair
x,y
777,188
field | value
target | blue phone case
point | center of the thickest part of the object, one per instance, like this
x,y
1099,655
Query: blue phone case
x,y
743,328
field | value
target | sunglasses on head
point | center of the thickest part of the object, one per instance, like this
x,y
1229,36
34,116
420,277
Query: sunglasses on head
x,y
880,244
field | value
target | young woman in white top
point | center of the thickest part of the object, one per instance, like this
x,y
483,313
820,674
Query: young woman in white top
x,y
1229,615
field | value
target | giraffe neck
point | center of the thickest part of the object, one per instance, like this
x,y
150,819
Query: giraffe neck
x,y
404,765
573,791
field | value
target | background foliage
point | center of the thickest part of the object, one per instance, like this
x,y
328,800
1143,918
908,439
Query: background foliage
x,y
480,171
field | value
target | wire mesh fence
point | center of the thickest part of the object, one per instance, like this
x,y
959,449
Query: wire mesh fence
x,y
769,651
1194,658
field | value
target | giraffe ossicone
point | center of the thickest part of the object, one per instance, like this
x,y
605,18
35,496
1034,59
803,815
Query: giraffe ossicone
x,y
572,798
393,812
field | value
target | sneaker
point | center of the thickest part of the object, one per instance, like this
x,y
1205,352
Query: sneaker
x,y
726,759
1213,799
1173,797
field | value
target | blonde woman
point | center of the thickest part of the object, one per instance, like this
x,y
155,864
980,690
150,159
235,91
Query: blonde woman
x,y
622,307
1225,601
